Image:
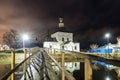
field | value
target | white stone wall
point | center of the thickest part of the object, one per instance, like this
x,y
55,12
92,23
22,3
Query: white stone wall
x,y
72,47
62,38
60,35
77,47
53,45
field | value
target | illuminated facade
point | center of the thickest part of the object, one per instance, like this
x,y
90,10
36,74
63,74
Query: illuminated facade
x,y
62,40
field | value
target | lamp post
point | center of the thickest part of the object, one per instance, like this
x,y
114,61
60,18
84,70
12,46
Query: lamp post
x,y
24,37
107,35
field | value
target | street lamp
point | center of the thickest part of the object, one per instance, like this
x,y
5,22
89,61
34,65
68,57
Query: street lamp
x,y
24,37
107,35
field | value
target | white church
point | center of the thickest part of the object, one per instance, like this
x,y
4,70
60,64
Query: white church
x,y
62,40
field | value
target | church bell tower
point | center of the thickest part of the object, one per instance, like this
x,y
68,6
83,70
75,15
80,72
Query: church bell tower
x,y
61,24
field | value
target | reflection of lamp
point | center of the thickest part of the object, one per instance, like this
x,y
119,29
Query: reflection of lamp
x,y
107,35
107,78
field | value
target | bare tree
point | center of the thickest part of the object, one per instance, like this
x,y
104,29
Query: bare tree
x,y
93,46
10,38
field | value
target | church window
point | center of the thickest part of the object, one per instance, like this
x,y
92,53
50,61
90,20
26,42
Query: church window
x,y
75,64
67,39
62,39
50,46
63,47
75,48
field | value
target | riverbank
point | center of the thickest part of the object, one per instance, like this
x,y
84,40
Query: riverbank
x,y
5,62
4,68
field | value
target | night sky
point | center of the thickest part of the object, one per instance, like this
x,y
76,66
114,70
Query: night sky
x,y
89,20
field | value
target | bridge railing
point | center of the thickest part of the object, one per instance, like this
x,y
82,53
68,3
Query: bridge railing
x,y
90,59
113,61
44,64
64,73
41,64
18,71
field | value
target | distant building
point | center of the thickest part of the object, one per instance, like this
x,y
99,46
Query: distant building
x,y
62,39
108,48
4,47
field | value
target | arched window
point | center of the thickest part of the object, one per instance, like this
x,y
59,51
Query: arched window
x,y
75,47
75,64
63,47
62,39
67,39
50,46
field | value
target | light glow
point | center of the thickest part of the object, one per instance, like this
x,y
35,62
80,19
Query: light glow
x,y
25,37
107,78
107,35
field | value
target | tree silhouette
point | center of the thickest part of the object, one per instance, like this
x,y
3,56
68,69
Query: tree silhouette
x,y
93,46
10,38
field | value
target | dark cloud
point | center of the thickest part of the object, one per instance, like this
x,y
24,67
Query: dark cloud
x,y
88,19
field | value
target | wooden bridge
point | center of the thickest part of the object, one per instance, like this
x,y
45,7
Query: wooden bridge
x,y
49,64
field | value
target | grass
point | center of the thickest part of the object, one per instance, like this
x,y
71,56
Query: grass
x,y
5,61
5,58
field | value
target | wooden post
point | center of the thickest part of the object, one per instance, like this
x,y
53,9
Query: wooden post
x,y
24,64
54,58
63,64
29,56
12,64
48,50
88,69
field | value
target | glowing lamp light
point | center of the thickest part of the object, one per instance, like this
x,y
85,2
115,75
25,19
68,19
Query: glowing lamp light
x,y
25,37
107,35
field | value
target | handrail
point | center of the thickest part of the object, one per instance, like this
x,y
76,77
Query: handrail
x,y
44,60
63,69
98,58
6,76
89,56
93,57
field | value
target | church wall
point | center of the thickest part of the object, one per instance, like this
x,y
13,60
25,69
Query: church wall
x,y
73,47
53,45
77,48
68,47
62,36
64,39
